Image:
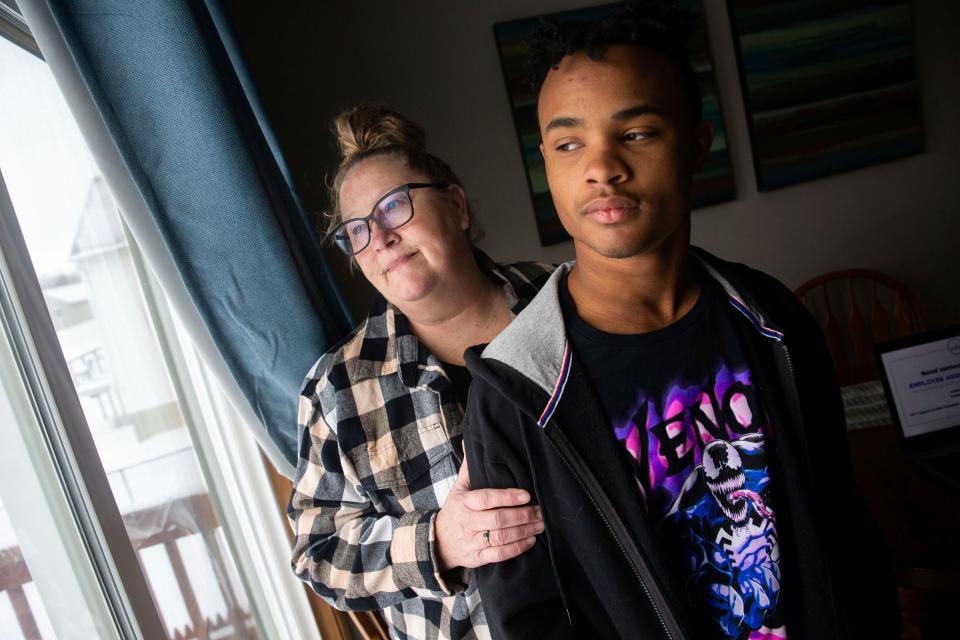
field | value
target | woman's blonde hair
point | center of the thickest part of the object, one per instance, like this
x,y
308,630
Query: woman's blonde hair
x,y
370,130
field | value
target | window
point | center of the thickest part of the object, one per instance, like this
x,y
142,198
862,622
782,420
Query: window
x,y
47,586
90,284
163,434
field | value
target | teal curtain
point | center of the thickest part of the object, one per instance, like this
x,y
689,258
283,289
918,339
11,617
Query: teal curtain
x,y
170,85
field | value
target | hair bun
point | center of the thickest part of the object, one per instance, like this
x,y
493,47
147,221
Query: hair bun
x,y
369,127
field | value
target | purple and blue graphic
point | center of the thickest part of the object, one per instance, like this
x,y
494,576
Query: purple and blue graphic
x,y
702,450
723,516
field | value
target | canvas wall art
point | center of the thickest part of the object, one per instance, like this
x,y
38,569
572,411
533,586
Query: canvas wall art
x,y
828,86
713,184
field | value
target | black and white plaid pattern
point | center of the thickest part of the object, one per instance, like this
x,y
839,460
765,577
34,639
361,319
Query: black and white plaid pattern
x,y
380,446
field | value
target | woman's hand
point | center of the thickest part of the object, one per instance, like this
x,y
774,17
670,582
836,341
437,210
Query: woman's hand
x,y
479,527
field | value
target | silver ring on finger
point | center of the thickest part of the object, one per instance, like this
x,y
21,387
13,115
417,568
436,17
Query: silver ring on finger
x,y
486,537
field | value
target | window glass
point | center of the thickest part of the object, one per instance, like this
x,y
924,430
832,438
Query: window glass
x,y
22,614
116,357
48,587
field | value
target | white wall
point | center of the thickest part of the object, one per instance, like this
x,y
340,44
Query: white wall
x,y
436,61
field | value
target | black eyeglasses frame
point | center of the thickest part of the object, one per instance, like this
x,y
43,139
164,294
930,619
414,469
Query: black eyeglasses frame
x,y
371,216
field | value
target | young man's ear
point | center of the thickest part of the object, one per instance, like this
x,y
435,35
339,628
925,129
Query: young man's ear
x,y
702,140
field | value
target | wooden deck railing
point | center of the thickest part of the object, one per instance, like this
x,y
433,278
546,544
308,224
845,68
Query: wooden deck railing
x,y
162,525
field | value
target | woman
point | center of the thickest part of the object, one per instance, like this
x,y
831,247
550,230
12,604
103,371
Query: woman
x,y
381,507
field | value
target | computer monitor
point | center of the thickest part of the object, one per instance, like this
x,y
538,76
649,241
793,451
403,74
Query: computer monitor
x,y
921,378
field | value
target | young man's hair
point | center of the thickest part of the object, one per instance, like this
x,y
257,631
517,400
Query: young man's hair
x,y
654,24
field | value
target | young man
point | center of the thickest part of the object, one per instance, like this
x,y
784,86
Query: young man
x,y
675,415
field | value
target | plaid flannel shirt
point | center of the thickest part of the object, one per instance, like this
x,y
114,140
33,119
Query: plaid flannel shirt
x,y
379,449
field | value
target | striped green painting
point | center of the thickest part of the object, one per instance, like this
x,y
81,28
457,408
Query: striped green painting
x,y
829,86
714,183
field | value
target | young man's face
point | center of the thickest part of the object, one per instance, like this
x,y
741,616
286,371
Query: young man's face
x,y
620,148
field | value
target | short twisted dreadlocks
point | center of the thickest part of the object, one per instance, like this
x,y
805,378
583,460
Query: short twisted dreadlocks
x,y
654,24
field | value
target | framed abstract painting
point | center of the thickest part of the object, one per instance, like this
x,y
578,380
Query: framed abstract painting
x,y
714,183
828,86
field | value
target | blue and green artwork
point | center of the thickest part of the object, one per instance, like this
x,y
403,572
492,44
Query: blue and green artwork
x,y
828,86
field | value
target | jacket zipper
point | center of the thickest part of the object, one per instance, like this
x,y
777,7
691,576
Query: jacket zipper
x,y
616,539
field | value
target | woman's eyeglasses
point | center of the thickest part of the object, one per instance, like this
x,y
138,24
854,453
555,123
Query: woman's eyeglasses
x,y
392,211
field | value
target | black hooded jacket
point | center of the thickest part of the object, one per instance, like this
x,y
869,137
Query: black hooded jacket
x,y
534,422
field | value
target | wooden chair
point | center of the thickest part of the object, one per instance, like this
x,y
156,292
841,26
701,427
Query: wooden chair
x,y
843,300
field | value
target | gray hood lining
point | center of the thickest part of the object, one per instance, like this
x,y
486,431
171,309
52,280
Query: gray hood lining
x,y
534,343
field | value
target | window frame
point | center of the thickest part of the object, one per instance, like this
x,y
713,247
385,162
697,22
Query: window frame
x,y
226,451
70,443
229,457
14,28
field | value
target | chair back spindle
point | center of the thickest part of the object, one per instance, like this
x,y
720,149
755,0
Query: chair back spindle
x,y
833,333
878,316
902,317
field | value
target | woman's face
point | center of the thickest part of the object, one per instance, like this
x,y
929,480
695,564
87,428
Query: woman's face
x,y
406,264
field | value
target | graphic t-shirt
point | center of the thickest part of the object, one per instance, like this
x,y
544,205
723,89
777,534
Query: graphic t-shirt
x,y
682,401
460,380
